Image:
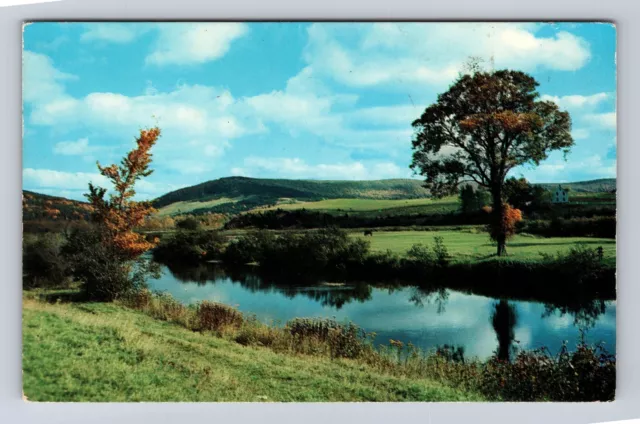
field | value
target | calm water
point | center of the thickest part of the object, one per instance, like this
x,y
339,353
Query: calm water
x,y
427,320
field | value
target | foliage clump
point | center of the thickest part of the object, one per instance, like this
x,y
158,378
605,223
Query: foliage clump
x,y
42,262
345,340
190,246
506,227
214,316
321,250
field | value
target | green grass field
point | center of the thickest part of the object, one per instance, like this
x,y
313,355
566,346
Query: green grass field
x,y
374,206
469,244
187,207
104,352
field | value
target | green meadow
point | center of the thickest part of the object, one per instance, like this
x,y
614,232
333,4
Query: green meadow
x,y
473,244
373,206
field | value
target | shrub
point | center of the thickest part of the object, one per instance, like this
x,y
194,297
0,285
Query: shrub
x,y
597,226
344,340
587,374
441,252
189,223
425,257
100,268
249,248
190,246
323,250
216,316
581,263
451,353
43,265
421,254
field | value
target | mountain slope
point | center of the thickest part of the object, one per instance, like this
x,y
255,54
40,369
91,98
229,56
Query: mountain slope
x,y
237,194
42,206
593,186
273,189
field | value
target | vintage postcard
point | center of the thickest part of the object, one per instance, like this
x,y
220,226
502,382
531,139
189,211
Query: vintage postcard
x,y
319,212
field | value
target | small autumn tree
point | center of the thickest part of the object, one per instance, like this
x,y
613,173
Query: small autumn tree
x,y
484,126
506,228
108,260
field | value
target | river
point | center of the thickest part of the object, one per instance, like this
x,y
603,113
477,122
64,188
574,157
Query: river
x,y
480,325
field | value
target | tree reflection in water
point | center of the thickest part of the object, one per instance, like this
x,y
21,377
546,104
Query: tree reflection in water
x,y
437,296
504,319
335,296
585,312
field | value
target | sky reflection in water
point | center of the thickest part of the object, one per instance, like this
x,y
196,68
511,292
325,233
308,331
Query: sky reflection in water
x,y
427,320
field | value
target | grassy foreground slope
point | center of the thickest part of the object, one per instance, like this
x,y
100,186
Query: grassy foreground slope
x,y
104,352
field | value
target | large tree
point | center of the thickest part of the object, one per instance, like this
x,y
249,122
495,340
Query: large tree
x,y
485,125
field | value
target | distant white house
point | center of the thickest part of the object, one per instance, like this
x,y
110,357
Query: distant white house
x,y
560,195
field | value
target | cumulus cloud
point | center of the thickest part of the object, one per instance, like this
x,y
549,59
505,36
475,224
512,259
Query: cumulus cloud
x,y
577,101
41,79
602,120
74,184
298,168
433,54
197,121
589,167
580,133
72,148
189,44
112,32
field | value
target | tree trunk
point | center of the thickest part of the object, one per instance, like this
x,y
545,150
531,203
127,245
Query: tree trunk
x,y
498,217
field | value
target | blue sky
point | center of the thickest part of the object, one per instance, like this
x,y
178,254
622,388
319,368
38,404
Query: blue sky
x,y
288,100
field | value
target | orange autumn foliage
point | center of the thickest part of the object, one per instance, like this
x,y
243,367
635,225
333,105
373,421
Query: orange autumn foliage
x,y
507,226
119,215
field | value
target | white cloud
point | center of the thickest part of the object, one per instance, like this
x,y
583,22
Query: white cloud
x,y
188,44
433,54
307,105
74,184
112,32
47,178
209,115
72,148
602,120
580,133
53,44
189,110
41,80
589,167
298,168
577,101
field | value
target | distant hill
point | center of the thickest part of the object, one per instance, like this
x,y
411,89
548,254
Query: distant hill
x,y
245,193
41,212
593,186
237,194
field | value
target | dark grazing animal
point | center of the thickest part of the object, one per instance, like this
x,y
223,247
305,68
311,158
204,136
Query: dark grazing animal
x,y
368,233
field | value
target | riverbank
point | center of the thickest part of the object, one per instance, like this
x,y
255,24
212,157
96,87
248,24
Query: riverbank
x,y
106,352
152,348
583,270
